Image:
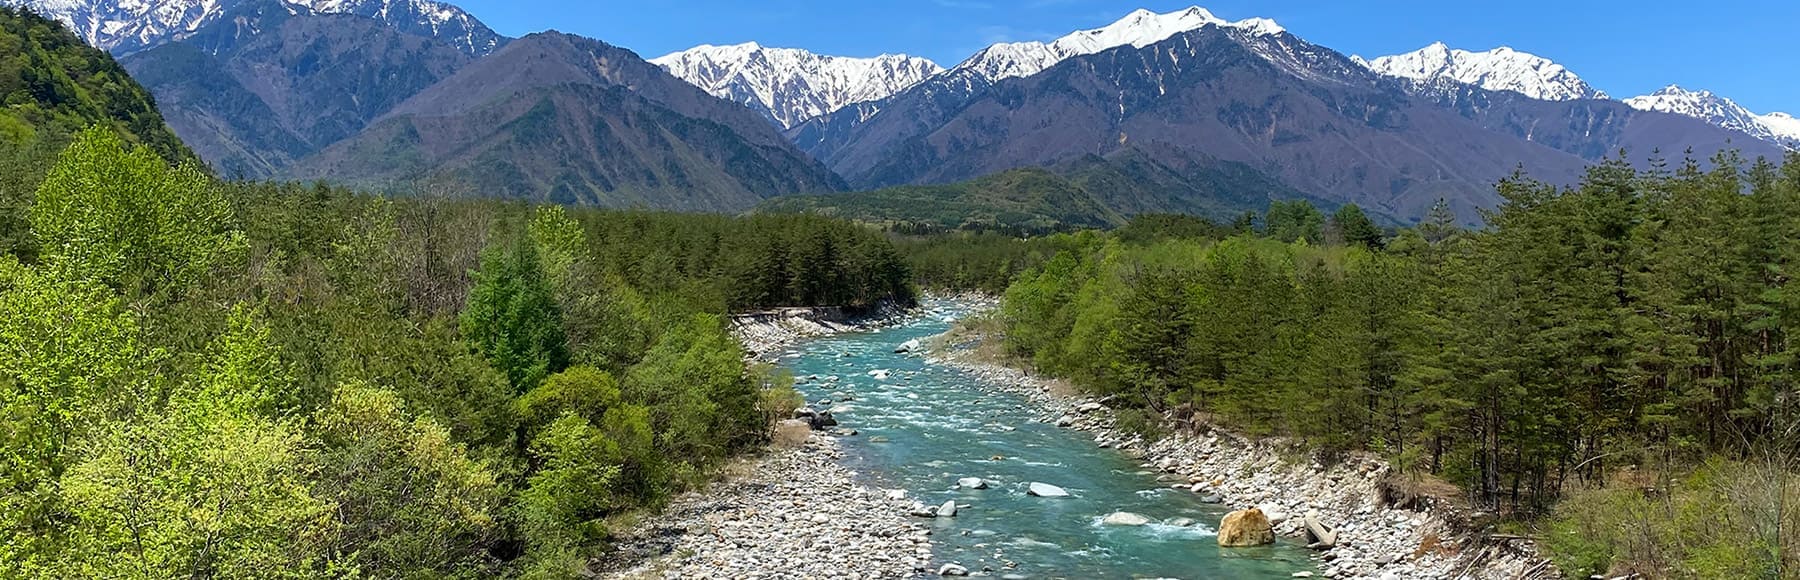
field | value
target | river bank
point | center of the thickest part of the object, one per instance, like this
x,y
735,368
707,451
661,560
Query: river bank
x,y
792,512
764,334
795,513
1375,539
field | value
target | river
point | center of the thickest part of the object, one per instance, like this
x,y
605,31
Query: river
x,y
925,426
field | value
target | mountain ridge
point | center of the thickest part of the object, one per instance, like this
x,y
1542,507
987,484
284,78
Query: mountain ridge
x,y
126,27
791,85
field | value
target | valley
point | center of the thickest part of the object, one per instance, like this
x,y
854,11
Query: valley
x,y
368,288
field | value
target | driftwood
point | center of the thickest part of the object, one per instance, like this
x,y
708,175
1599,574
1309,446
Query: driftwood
x,y
1321,535
1507,537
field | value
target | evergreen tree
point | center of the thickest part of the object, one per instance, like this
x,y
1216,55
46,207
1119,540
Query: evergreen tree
x,y
512,318
1356,227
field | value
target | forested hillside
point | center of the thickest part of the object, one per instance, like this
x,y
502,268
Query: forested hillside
x,y
54,85
1627,347
200,379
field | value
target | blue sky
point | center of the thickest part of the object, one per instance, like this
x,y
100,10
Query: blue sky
x,y
1743,49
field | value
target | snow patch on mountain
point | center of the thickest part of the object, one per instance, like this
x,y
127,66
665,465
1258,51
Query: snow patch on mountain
x,y
1779,128
127,26
1139,29
1500,69
790,85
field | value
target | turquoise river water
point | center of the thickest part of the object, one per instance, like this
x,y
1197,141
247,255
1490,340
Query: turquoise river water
x,y
926,425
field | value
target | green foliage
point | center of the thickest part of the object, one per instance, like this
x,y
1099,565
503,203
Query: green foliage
x,y
1021,201
409,501
1288,221
563,502
1721,522
705,402
1638,315
512,319
226,380
202,492
1355,227
53,85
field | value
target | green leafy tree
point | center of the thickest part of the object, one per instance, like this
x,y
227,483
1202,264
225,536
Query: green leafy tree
x,y
122,215
409,501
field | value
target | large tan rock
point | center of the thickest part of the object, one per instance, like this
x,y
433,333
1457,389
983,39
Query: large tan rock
x,y
1246,528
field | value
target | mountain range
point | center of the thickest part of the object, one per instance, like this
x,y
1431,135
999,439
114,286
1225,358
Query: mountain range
x,y
278,89
1182,111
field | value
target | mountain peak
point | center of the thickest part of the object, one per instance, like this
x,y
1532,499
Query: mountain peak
x,y
1500,69
128,26
1712,108
1139,28
791,85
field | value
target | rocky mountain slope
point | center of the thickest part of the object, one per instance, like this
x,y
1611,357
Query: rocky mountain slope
x,y
560,118
1307,116
272,83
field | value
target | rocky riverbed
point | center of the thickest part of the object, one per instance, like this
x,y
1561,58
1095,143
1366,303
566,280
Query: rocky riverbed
x,y
1374,540
796,514
764,334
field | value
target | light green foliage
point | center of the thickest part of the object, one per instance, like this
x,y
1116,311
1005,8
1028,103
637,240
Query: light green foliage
x,y
70,360
563,502
201,492
410,501
120,214
582,390
201,379
702,403
1706,526
244,373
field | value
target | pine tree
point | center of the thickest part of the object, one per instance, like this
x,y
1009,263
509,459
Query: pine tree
x,y
513,320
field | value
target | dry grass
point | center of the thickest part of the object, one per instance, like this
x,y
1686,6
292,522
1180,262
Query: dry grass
x,y
791,433
1415,491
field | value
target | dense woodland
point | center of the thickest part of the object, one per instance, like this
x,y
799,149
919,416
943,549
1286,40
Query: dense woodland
x,y
1592,344
204,379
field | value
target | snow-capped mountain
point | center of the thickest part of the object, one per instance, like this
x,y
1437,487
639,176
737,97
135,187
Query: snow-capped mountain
x,y
790,85
128,26
1779,128
1139,29
1500,69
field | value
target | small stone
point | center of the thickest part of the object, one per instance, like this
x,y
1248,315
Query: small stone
x,y
948,510
1046,490
953,570
971,483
